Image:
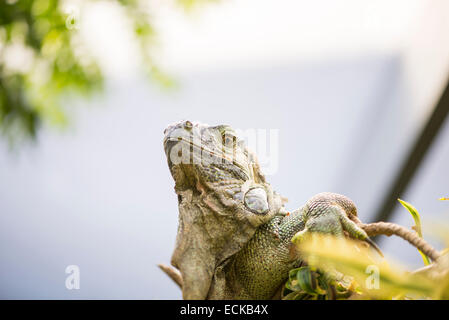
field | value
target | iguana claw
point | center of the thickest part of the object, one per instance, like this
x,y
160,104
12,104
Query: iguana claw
x,y
330,213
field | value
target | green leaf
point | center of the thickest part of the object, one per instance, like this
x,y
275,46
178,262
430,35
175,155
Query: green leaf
x,y
417,228
307,280
296,296
292,284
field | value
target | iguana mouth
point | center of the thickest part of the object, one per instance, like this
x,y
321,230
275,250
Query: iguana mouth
x,y
169,143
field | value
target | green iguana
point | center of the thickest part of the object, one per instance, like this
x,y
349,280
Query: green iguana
x,y
234,234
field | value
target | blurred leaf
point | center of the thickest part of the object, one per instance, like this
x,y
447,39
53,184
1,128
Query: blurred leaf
x,y
376,279
190,4
417,227
34,88
439,273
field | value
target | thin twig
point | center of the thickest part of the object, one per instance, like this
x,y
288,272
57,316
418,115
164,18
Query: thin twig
x,y
388,229
173,273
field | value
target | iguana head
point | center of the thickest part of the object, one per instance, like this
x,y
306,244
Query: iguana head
x,y
206,158
223,197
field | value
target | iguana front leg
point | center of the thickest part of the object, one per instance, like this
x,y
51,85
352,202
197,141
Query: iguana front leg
x,y
262,266
332,213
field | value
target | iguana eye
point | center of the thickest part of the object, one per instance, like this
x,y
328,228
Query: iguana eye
x,y
228,139
256,201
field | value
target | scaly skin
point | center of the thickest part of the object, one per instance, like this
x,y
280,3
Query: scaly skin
x,y
262,266
235,237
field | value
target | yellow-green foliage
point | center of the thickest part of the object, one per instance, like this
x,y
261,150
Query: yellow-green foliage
x,y
341,268
417,226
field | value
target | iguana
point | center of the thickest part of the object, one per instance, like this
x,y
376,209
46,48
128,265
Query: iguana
x,y
234,238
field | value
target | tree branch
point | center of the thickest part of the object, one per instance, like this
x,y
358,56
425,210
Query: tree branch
x,y
173,273
388,229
